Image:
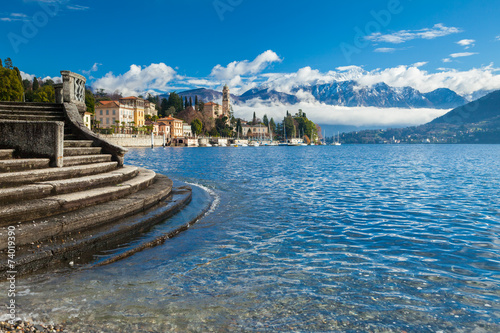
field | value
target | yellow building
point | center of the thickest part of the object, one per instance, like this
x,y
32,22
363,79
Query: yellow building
x,y
136,105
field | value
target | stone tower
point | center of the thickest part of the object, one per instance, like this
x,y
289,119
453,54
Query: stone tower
x,y
226,104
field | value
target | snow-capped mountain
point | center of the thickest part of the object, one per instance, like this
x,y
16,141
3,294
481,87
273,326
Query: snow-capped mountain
x,y
343,93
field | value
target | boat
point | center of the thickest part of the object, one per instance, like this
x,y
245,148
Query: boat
x,y
254,144
337,143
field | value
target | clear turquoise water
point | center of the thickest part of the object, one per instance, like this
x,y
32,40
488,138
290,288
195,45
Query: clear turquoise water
x,y
311,239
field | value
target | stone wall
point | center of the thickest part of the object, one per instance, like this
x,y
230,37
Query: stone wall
x,y
137,141
34,139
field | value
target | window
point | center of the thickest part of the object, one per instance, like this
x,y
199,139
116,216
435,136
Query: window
x,y
107,121
107,112
101,113
114,112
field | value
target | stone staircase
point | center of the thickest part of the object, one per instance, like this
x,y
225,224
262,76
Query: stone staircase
x,y
61,213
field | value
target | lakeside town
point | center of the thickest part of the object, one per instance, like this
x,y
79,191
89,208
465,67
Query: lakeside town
x,y
174,121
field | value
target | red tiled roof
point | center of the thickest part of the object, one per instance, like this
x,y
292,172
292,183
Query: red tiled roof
x,y
211,103
131,97
108,103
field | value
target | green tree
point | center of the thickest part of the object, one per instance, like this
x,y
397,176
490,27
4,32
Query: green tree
x,y
190,101
36,84
174,100
197,126
196,100
8,63
254,120
265,120
289,126
45,94
239,128
272,125
1,63
11,89
90,101
163,107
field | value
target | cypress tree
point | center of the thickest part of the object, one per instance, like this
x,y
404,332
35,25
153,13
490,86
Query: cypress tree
x,y
36,85
196,100
190,101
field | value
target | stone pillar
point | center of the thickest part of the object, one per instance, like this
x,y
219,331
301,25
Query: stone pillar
x,y
74,90
59,93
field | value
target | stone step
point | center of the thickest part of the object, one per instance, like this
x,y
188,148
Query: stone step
x,y
27,112
87,159
20,164
31,117
60,204
78,143
55,187
35,105
6,154
77,236
40,175
79,151
70,137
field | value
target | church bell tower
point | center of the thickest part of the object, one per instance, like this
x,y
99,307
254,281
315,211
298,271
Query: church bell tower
x,y
226,104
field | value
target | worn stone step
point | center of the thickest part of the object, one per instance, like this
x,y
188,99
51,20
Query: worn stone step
x,y
79,151
31,117
78,143
6,154
28,112
77,236
40,175
59,204
35,105
88,159
54,187
20,164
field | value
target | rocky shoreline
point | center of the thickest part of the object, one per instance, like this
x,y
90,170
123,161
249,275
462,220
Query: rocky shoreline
x,y
25,326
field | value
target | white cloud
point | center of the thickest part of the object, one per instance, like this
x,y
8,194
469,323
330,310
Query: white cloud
x,y
462,82
245,67
446,60
498,38
94,68
338,115
26,76
463,54
138,80
384,50
438,30
419,64
14,17
467,43
77,7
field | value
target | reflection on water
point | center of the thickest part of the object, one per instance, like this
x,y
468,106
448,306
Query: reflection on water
x,y
350,238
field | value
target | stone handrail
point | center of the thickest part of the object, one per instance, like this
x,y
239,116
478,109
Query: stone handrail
x,y
75,120
74,89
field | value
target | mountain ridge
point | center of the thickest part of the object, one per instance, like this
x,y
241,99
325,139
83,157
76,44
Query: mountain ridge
x,y
343,93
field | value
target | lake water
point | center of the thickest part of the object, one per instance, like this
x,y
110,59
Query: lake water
x,y
375,238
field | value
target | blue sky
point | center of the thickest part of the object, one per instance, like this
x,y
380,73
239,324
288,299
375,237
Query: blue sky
x,y
176,45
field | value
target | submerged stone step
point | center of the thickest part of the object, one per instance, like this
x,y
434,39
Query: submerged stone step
x,y
53,187
78,143
20,164
88,159
58,204
82,233
6,154
40,175
78,151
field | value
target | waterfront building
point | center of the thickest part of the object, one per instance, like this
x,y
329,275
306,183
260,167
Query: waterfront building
x,y
136,105
150,109
107,113
175,125
87,117
255,131
187,131
215,110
